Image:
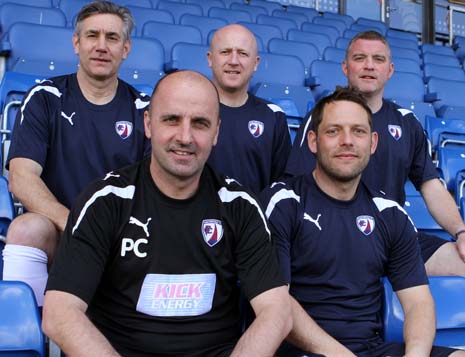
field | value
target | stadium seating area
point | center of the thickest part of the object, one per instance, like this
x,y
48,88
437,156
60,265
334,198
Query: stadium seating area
x,y
301,53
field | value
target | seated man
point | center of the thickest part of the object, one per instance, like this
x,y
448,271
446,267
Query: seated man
x,y
71,130
336,238
402,153
254,142
150,259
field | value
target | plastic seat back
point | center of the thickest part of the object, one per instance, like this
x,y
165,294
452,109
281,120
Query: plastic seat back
x,y
20,331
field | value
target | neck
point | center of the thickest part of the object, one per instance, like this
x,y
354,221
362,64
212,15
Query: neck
x,y
375,102
340,190
172,186
235,99
96,91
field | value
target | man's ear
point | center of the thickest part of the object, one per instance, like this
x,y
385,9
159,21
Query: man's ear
x,y
311,141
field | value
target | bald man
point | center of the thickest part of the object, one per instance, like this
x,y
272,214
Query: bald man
x,y
151,254
254,142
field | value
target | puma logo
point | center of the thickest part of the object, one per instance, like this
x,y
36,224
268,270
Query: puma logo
x,y
135,221
110,174
68,118
314,221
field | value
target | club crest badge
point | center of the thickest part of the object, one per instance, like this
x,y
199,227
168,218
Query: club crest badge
x,y
123,129
395,131
212,231
365,224
256,128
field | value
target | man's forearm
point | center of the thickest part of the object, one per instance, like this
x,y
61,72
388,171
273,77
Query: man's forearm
x,y
419,331
308,336
72,331
268,330
37,198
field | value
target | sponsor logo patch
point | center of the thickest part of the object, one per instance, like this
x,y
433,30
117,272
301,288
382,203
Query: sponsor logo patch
x,y
212,231
365,224
256,128
395,131
176,295
123,129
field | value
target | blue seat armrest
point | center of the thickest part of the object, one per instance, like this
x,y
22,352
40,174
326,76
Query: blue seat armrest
x,y
171,66
431,97
5,48
312,82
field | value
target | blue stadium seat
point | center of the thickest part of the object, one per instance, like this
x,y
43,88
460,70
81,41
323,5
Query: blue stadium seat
x,y
142,3
41,3
334,54
342,43
32,48
20,331
145,63
170,34
7,210
348,20
416,208
11,13
265,32
299,19
460,191
206,4
282,69
253,10
451,160
380,26
204,23
307,52
268,5
362,28
189,56
321,41
142,15
284,24
330,31
402,35
444,93
310,13
178,9
296,101
349,33
231,16
440,50
401,52
445,132
400,42
71,8
405,85
451,111
420,109
407,65
443,60
339,24
448,293
324,77
443,72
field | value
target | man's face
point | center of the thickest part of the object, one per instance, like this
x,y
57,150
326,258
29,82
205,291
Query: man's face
x,y
233,58
368,66
100,46
183,126
344,142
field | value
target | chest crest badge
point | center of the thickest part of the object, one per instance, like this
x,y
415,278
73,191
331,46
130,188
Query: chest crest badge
x,y
212,231
123,129
256,128
395,131
365,224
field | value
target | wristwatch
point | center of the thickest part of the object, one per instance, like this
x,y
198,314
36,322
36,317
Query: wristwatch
x,y
458,233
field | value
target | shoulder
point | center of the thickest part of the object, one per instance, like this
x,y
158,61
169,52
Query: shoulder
x,y
264,105
286,192
391,108
141,100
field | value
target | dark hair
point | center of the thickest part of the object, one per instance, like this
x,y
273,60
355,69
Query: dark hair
x,y
369,35
340,94
106,7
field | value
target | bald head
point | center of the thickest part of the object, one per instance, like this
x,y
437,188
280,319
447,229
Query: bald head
x,y
193,81
240,33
